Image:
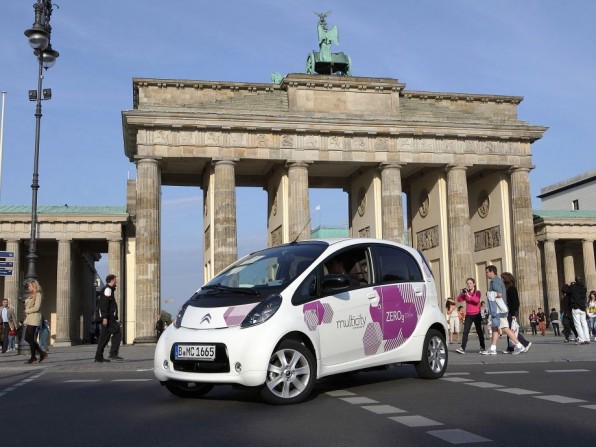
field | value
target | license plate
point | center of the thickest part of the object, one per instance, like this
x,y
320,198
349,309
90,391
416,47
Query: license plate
x,y
194,352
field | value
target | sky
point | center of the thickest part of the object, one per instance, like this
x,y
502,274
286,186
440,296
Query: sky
x,y
542,50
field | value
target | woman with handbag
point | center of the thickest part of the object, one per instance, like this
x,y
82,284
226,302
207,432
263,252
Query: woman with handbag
x,y
33,320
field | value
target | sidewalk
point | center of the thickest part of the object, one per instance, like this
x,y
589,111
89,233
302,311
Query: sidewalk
x,y
80,358
546,349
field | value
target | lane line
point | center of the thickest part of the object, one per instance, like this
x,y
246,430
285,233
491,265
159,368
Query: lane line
x,y
458,436
566,370
560,399
339,393
383,409
518,391
358,400
507,372
589,407
82,381
415,421
484,385
456,379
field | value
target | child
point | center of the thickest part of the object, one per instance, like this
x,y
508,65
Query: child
x,y
11,336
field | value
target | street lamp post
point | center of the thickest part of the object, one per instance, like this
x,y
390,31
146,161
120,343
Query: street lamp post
x,y
39,39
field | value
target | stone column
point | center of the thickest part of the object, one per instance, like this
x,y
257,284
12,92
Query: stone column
x,y
64,323
524,245
391,203
11,283
299,211
553,293
589,265
461,264
115,268
148,274
225,233
568,264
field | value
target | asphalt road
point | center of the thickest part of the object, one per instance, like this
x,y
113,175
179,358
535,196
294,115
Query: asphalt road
x,y
545,396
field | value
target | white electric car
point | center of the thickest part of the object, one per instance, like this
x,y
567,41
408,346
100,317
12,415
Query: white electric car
x,y
285,316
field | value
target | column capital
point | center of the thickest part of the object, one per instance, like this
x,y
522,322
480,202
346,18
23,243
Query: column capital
x,y
515,169
144,159
224,161
390,165
114,239
589,241
298,163
452,167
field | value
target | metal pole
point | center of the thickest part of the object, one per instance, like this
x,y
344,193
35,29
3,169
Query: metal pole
x,y
32,256
2,137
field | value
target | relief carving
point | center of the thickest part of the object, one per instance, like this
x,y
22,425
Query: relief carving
x,y
483,204
424,203
489,238
364,232
276,236
287,141
262,140
361,202
334,143
207,238
427,239
382,144
212,139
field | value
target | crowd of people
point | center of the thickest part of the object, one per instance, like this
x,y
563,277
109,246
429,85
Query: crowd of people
x,y
499,315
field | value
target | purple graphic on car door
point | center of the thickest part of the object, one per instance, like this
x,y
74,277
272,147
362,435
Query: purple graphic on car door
x,y
317,313
394,318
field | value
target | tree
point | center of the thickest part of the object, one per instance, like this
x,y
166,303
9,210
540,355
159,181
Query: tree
x,y
166,317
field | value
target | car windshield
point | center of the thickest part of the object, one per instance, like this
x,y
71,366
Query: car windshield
x,y
274,267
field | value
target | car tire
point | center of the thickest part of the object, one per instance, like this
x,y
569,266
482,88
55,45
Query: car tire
x,y
188,389
434,356
291,374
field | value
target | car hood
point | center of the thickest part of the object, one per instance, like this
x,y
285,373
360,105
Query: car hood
x,y
216,317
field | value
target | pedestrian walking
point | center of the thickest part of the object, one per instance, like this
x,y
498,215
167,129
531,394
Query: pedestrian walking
x,y
110,326
592,314
484,320
497,307
513,306
533,322
8,320
577,300
452,320
554,320
44,335
33,320
541,321
471,296
567,318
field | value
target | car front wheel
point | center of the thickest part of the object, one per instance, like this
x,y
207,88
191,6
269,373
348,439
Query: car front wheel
x,y
291,374
434,356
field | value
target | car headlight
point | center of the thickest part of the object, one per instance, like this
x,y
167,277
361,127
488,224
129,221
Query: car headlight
x,y
262,311
178,320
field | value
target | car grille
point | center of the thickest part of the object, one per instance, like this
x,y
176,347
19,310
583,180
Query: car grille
x,y
221,364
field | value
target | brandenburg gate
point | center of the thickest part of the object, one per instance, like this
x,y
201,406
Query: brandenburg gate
x,y
462,161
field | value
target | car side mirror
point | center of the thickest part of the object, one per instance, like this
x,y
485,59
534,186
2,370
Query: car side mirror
x,y
335,282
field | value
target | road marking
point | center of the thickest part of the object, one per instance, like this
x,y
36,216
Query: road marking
x,y
507,372
518,391
484,385
456,379
339,393
132,380
589,407
82,380
566,370
383,409
415,421
359,400
560,399
456,374
457,436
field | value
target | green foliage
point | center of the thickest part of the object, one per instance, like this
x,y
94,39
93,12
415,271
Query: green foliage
x,y
166,317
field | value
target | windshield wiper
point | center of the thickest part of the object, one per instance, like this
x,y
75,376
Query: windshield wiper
x,y
222,288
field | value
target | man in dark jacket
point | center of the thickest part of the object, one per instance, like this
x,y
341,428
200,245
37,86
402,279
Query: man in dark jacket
x,y
110,326
577,301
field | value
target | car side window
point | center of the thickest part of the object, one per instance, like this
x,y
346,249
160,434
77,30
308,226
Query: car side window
x,y
396,266
355,263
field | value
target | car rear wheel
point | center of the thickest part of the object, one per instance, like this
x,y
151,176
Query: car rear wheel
x,y
188,389
434,356
291,374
